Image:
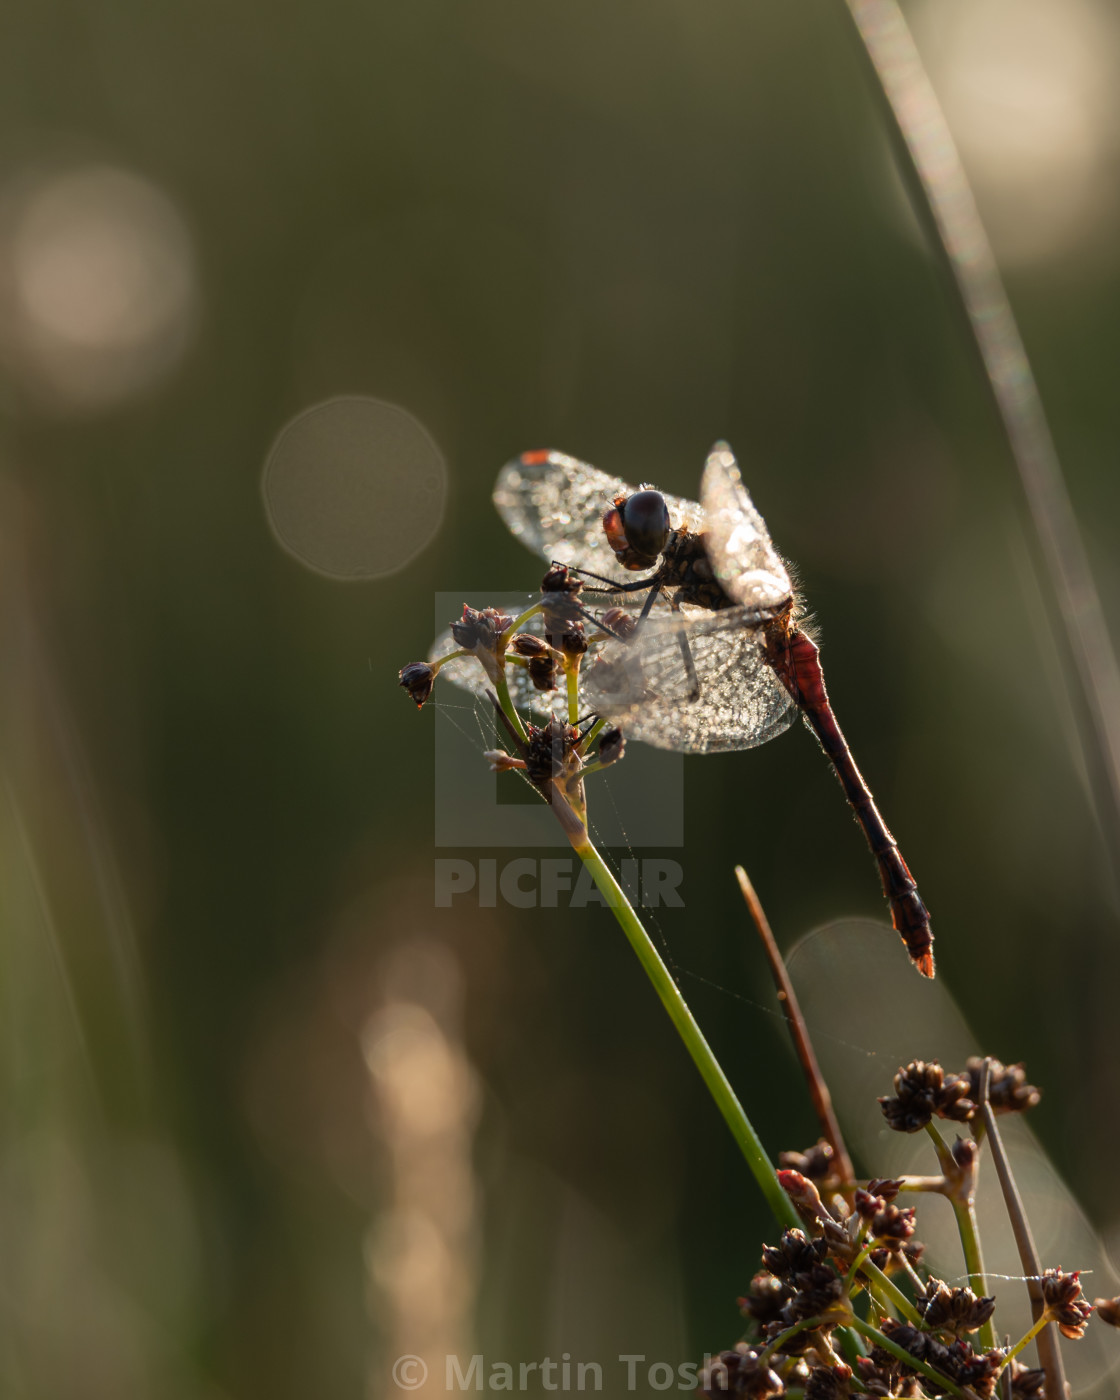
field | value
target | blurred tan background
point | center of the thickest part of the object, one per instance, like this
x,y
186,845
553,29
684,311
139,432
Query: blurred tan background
x,y
270,1118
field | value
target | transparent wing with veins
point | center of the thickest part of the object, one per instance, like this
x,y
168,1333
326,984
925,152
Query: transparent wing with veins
x,y
722,697
554,504
737,541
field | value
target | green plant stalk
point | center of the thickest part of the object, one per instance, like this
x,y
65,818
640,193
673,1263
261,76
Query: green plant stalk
x,y
779,1341
517,624
968,1228
857,1264
886,1288
1028,1338
969,1231
689,1031
881,1340
501,685
592,734
572,673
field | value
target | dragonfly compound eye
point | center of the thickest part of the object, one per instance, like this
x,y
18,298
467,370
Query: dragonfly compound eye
x,y
645,519
637,528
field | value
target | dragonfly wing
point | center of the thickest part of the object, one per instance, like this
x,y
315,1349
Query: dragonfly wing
x,y
718,696
737,540
554,504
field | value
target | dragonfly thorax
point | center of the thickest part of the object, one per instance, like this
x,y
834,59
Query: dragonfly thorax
x,y
686,568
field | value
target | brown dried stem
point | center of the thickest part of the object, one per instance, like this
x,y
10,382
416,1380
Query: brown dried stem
x,y
1049,1355
818,1089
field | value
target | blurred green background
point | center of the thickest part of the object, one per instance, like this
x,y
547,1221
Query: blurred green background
x,y
270,1118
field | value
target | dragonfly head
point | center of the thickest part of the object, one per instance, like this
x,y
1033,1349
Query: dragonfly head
x,y
638,528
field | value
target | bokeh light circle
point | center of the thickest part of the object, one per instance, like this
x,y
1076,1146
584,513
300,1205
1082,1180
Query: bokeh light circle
x,y
354,488
98,284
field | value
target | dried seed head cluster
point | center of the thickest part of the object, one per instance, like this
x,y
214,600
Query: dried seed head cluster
x,y
417,678
924,1091
955,1360
740,1372
1061,1293
815,1286
954,1310
816,1162
479,630
1008,1090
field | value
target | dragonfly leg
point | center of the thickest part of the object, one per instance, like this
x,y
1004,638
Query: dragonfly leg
x,y
613,586
686,657
649,602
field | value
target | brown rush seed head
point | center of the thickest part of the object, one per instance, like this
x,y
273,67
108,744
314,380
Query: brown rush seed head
x,y
1061,1292
955,1310
542,671
766,1298
910,1339
957,1360
828,1383
886,1186
978,1370
525,644
739,1373
561,608
867,1205
417,678
794,1256
1108,1310
560,579
1027,1382
612,746
875,1379
571,639
815,1162
893,1226
620,622
954,1101
550,752
922,1090
560,590
1008,1090
818,1290
479,630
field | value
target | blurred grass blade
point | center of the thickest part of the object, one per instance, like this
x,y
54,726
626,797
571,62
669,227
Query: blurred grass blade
x,y
946,200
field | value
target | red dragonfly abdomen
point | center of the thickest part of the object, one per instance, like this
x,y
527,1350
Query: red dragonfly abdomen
x,y
795,659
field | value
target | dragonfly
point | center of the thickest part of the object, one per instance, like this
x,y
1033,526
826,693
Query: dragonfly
x,y
719,658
